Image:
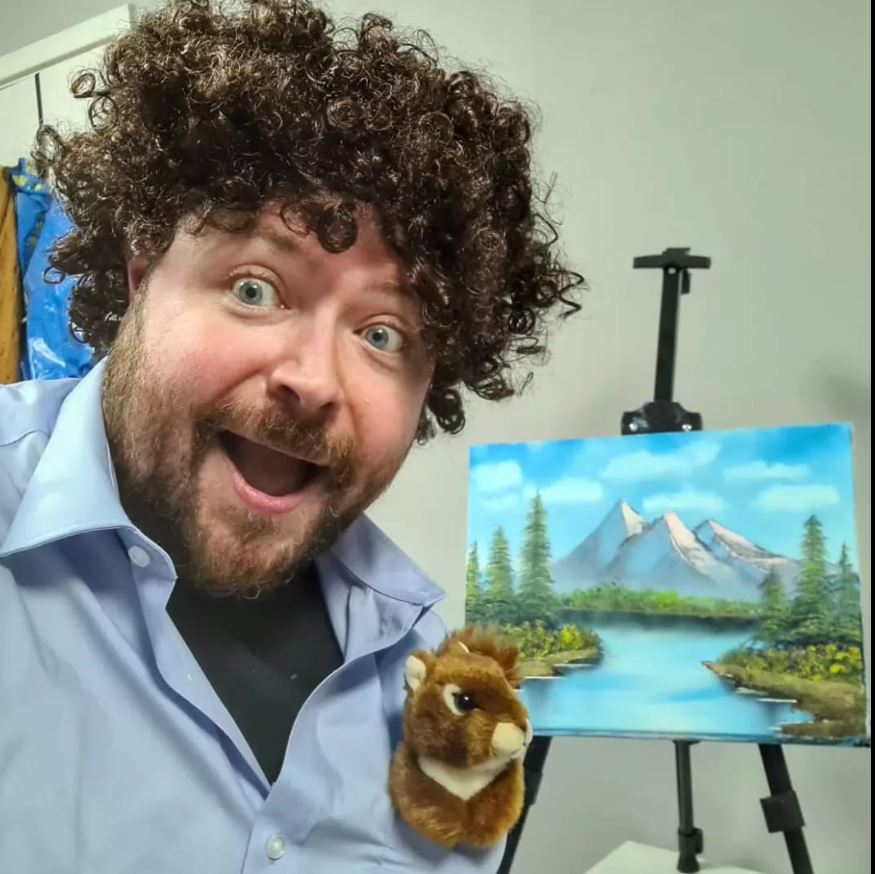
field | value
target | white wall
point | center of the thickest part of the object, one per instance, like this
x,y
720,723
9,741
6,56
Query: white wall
x,y
738,128
25,23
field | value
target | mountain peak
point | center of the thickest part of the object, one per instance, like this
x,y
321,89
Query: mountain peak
x,y
672,521
602,544
710,531
718,529
632,521
678,531
708,561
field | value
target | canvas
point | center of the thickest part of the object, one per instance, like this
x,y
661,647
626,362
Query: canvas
x,y
699,585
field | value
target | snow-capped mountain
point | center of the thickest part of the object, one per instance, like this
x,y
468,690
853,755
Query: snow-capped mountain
x,y
599,549
746,558
669,552
710,561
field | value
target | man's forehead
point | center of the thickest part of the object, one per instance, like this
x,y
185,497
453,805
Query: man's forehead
x,y
284,230
287,226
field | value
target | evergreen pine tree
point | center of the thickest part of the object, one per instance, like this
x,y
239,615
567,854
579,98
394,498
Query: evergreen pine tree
x,y
774,610
537,601
846,604
473,591
810,613
499,606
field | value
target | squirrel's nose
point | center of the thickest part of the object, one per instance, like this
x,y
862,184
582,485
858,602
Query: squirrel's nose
x,y
507,739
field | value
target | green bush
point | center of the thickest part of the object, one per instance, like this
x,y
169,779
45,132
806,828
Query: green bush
x,y
821,663
613,597
536,640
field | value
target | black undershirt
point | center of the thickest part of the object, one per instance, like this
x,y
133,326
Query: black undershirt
x,y
263,656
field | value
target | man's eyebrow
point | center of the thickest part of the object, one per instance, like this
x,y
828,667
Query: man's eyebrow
x,y
391,287
286,242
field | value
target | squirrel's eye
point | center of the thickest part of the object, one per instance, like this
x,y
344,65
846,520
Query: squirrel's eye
x,y
459,702
465,702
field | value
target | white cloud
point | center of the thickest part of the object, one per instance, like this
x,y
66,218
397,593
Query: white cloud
x,y
797,499
573,490
502,503
501,476
762,470
643,465
688,500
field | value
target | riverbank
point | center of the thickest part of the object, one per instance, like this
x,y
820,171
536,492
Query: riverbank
x,y
661,618
839,708
545,666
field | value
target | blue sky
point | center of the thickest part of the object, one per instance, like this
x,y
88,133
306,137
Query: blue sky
x,y
760,483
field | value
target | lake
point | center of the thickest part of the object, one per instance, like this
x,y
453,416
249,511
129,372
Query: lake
x,y
651,681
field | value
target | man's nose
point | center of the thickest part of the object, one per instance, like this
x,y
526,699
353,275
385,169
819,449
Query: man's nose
x,y
306,376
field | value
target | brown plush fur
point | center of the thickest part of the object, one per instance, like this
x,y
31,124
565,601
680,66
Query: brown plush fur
x,y
488,672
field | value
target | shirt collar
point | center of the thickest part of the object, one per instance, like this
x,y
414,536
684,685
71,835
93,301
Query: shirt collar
x,y
73,490
374,561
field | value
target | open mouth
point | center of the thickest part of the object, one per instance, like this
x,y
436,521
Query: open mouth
x,y
267,473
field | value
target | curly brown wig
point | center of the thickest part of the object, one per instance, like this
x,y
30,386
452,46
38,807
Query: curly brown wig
x,y
198,112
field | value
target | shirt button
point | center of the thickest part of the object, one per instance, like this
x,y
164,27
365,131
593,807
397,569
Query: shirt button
x,y
275,848
139,556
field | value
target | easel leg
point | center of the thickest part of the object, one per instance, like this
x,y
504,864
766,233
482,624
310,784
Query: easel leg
x,y
533,766
781,808
690,838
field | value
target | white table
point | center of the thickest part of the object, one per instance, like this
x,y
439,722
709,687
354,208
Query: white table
x,y
632,858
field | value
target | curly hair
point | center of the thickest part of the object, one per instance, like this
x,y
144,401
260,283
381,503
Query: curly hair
x,y
200,113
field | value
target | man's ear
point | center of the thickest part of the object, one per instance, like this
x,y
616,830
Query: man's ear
x,y
137,270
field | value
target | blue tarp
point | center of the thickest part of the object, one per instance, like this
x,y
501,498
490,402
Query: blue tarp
x,y
50,350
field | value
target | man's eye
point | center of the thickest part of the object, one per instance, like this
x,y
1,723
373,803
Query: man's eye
x,y
256,292
384,338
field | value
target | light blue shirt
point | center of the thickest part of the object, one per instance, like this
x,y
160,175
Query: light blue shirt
x,y
116,754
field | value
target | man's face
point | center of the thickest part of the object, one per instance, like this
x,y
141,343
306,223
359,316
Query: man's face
x,y
261,394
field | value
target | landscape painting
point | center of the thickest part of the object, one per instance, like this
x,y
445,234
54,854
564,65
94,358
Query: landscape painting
x,y
699,585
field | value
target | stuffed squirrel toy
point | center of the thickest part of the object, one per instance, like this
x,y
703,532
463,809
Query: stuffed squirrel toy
x,y
457,775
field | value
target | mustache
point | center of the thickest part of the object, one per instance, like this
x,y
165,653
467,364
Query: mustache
x,y
283,432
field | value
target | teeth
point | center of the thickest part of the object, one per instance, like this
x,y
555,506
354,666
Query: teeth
x,y
267,470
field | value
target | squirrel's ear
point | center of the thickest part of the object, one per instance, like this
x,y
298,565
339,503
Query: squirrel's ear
x,y
415,671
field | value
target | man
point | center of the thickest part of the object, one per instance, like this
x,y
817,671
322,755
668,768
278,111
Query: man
x,y
294,245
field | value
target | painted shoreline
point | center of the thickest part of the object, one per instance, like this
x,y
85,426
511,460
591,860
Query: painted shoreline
x,y
839,709
547,666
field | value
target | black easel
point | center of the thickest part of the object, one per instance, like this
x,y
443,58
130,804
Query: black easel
x,y
533,766
664,414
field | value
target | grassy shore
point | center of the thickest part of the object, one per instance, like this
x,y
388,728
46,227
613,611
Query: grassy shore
x,y
545,666
839,708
